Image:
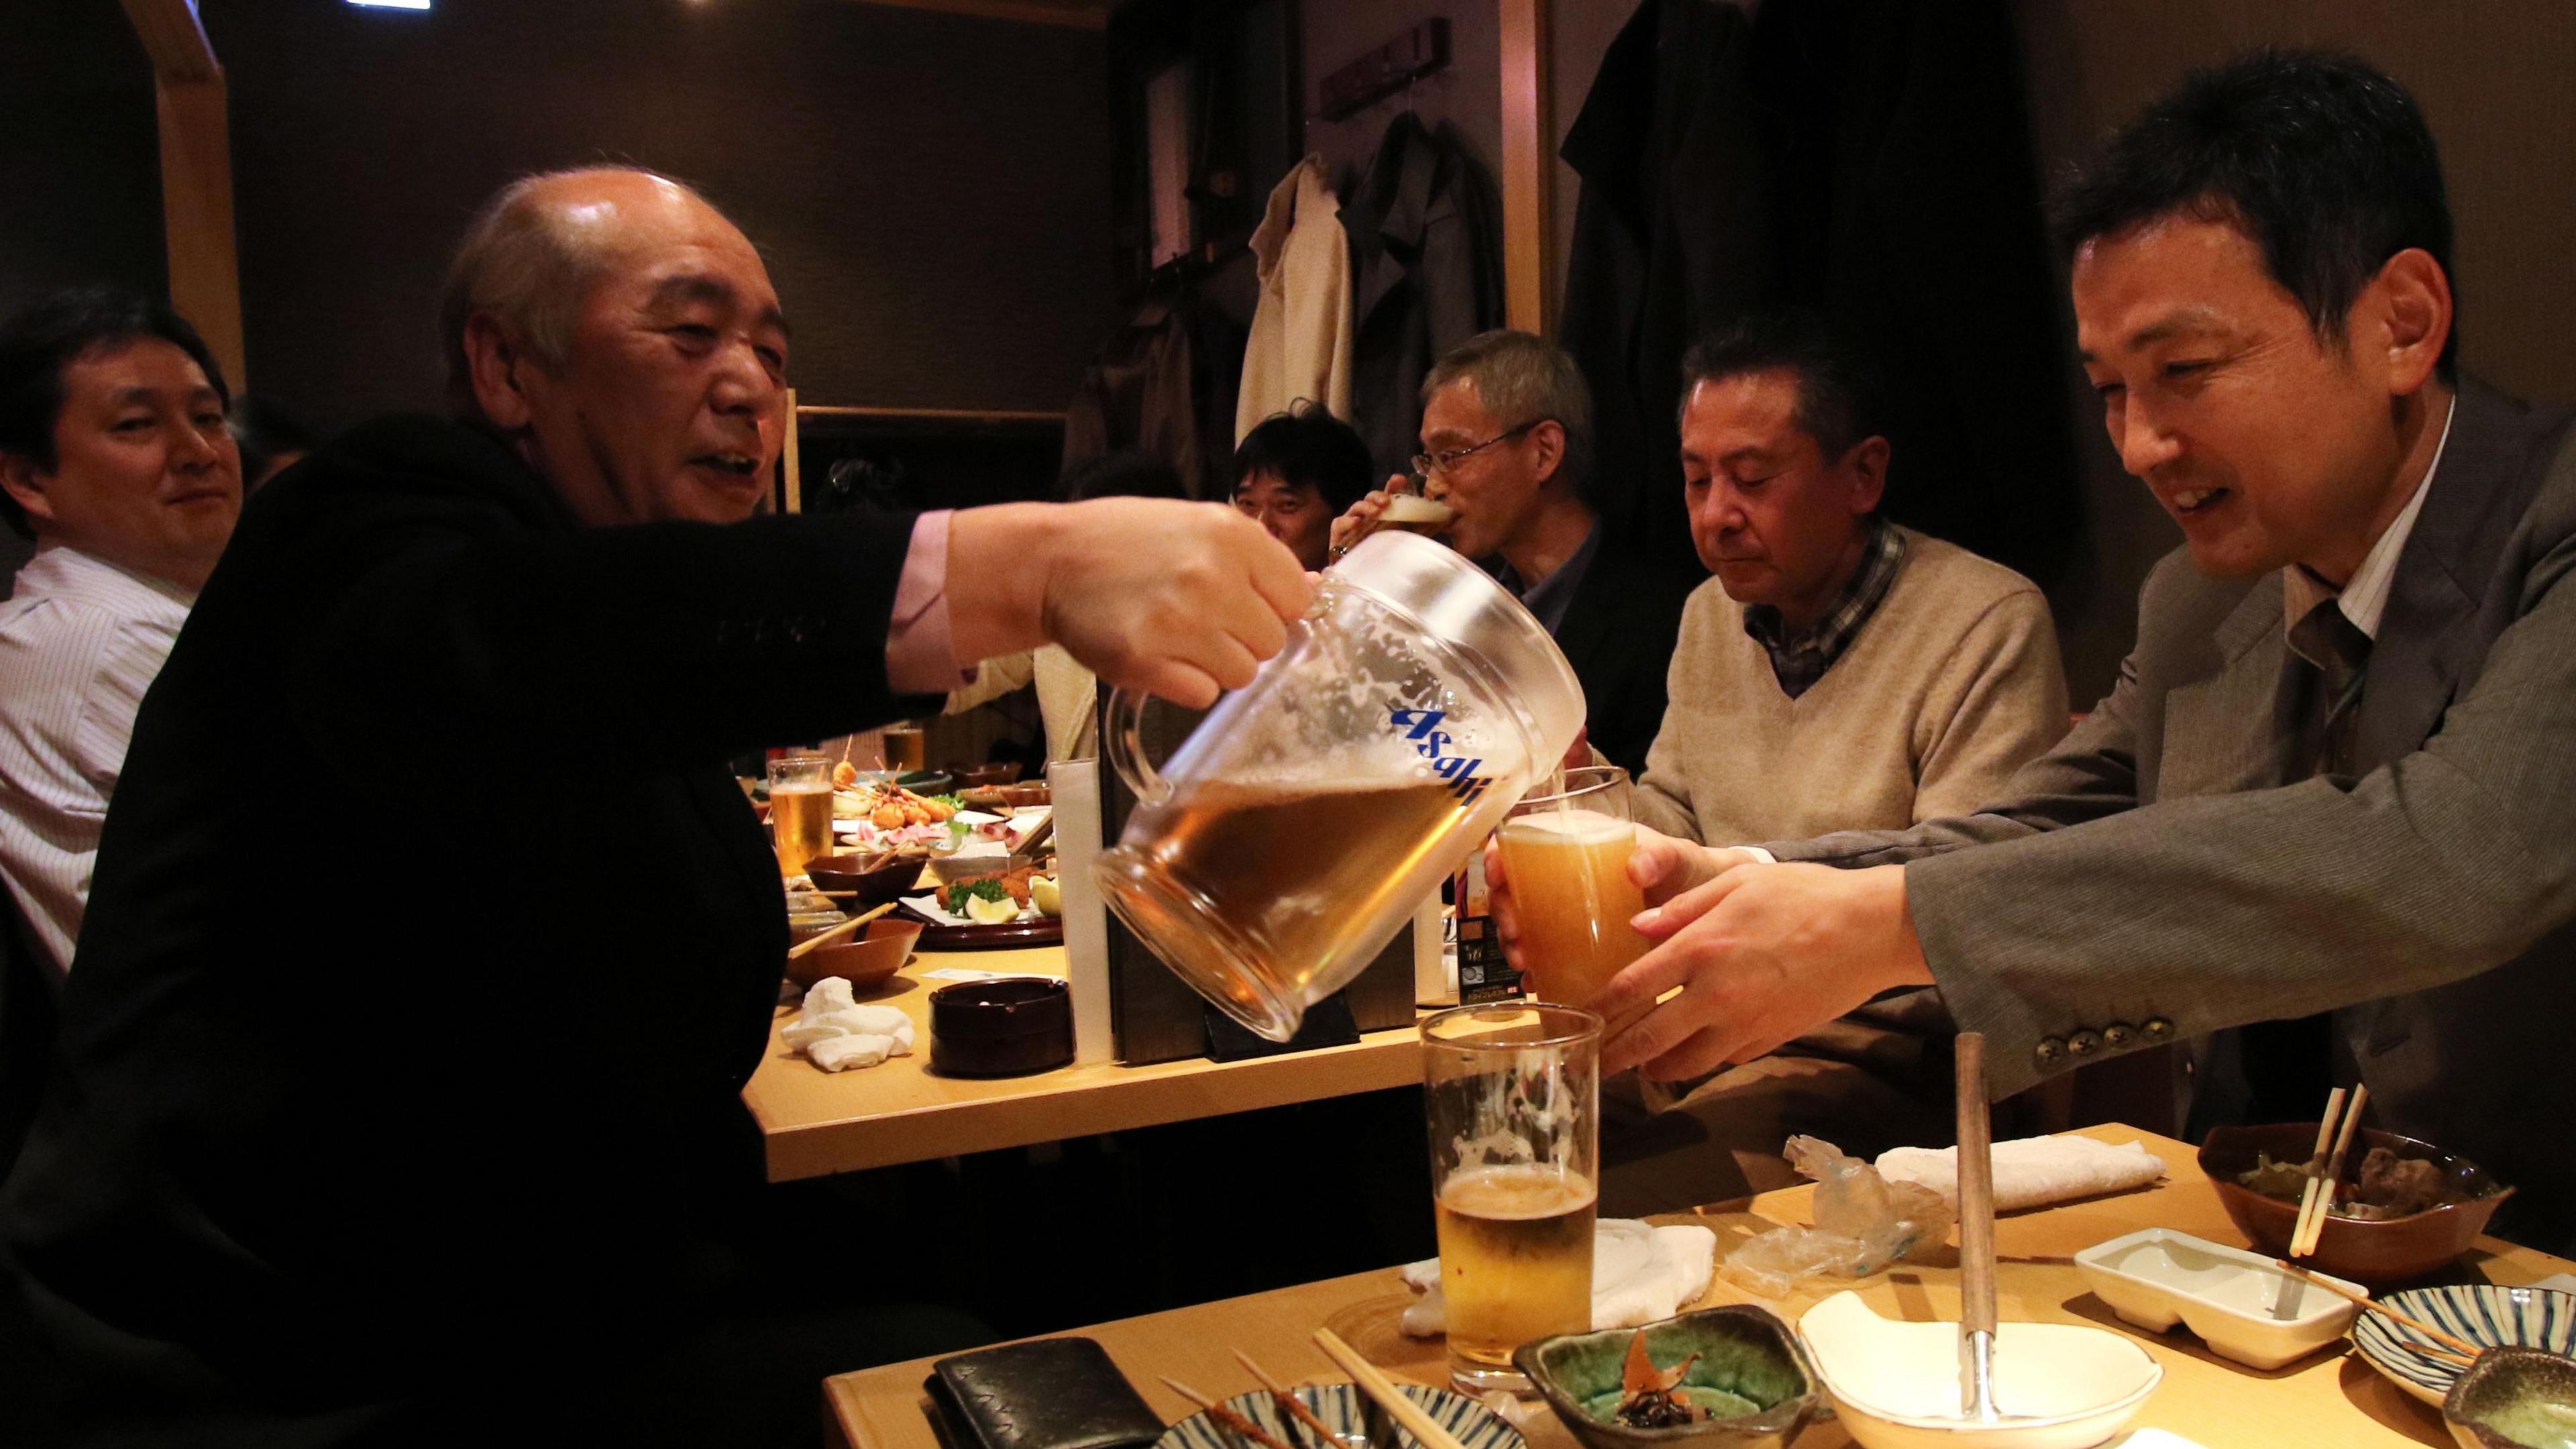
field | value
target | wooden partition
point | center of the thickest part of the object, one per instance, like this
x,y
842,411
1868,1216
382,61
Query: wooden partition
x,y
196,177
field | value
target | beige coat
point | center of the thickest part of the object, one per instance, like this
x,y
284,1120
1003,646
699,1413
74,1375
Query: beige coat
x,y
1301,329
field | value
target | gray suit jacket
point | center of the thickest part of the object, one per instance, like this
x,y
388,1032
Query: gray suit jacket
x,y
2153,871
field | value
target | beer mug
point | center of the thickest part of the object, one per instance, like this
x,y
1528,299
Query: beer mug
x,y
1566,852
1290,837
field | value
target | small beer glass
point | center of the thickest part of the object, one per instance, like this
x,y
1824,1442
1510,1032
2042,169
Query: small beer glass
x,y
1513,1094
800,810
1565,853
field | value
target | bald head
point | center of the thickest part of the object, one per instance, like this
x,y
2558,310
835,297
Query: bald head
x,y
624,336
543,242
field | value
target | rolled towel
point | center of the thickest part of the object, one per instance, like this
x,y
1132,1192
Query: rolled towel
x,y
2032,1171
836,1033
1640,1273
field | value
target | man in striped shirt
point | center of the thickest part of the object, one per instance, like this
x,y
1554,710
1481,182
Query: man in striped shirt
x,y
115,459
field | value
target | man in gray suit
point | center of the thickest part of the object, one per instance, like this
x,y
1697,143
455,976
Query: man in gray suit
x,y
2338,772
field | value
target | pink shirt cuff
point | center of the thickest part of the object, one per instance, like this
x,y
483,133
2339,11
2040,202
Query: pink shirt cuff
x,y
919,656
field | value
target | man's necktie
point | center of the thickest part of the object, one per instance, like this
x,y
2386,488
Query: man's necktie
x,y
2338,649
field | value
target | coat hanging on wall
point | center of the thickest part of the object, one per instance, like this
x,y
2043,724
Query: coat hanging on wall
x,y
1164,382
1426,270
1301,328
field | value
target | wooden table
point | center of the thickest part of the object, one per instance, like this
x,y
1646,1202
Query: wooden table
x,y
819,1122
2332,1400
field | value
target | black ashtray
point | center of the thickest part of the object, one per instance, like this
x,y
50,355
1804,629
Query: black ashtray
x,y
1002,1028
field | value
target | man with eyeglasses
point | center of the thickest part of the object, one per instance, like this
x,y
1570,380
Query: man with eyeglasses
x,y
1507,444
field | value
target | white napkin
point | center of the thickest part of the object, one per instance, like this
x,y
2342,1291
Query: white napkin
x,y
836,1033
1640,1274
2032,1171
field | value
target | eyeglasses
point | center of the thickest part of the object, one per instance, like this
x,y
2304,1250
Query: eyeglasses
x,y
1427,464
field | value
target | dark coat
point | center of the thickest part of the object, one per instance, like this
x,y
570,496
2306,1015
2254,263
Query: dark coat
x,y
1426,275
430,947
1619,632
1869,159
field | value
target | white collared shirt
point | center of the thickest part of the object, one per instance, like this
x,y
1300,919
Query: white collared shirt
x,y
2365,597
80,641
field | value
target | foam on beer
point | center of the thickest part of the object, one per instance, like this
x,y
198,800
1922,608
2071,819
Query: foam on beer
x,y
1572,827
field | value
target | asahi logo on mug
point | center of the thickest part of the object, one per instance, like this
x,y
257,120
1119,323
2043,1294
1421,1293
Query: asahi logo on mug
x,y
1422,727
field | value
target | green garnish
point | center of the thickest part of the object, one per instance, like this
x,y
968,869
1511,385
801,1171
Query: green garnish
x,y
987,889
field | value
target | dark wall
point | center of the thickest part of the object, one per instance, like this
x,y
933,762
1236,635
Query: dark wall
x,y
932,191
80,155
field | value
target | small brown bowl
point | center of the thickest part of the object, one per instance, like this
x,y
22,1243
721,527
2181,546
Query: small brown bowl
x,y
876,878
864,962
1036,792
1000,772
1002,1028
2378,1254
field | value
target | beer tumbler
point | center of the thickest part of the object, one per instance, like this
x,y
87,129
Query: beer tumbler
x,y
1513,1094
1565,853
800,810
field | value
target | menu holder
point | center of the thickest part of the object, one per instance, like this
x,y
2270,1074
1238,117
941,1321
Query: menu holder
x,y
1155,1016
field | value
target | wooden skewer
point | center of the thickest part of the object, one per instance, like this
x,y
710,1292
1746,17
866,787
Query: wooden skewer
x,y
825,938
1226,1418
2316,1164
1289,1403
1407,1414
2302,1247
2453,1342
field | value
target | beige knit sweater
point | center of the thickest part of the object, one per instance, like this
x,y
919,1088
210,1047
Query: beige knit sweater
x,y
1952,684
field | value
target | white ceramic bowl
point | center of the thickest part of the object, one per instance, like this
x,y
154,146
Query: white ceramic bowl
x,y
2241,1304
1895,1385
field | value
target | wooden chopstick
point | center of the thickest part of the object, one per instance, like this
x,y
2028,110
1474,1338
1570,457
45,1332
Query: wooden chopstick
x,y
2458,1346
1407,1414
2316,1164
2303,1246
1290,1404
825,938
1225,1418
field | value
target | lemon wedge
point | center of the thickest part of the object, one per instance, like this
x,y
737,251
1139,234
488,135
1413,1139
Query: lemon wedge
x,y
992,913
1044,895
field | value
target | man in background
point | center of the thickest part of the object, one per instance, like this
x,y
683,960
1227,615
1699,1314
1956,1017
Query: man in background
x,y
115,460
1507,444
1837,672
1295,472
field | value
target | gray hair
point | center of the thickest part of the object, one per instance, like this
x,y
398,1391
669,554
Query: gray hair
x,y
1523,377
521,262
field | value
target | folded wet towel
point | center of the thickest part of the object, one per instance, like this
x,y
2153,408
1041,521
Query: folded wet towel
x,y
835,1032
2032,1171
1640,1274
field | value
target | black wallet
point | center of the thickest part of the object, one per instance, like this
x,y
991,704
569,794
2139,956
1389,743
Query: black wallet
x,y
1051,1393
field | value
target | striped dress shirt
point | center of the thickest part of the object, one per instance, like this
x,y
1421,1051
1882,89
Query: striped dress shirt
x,y
80,640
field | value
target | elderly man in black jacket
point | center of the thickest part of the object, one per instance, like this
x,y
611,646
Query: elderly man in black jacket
x,y
405,1146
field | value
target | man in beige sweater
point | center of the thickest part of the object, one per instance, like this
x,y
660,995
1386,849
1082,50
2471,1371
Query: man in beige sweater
x,y
1839,672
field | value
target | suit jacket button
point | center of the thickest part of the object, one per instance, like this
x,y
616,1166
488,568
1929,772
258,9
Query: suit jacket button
x,y
2159,1029
2084,1043
2119,1035
2050,1051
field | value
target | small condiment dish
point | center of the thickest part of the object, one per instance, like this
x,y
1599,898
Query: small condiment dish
x,y
1895,1385
2241,1304
2514,1398
2484,1314
864,962
1748,1363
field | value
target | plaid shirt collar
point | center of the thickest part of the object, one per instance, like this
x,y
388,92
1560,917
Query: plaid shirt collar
x,y
1798,663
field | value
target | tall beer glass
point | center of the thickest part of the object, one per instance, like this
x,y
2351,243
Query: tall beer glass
x,y
1513,1093
800,810
1565,852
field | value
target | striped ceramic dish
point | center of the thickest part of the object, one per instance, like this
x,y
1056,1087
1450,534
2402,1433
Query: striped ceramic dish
x,y
1341,1406
2482,1313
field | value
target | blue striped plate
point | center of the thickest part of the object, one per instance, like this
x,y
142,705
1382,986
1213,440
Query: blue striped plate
x,y
2482,1313
1339,1405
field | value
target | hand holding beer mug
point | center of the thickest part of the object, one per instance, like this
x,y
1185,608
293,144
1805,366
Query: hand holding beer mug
x,y
1405,503
800,810
1513,1096
1565,852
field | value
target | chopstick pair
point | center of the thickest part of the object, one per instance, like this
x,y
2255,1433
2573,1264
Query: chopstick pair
x,y
2452,1346
2318,1198
1246,1428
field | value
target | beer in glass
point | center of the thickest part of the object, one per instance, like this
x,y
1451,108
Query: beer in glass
x,y
906,748
800,810
1414,513
1565,852
1512,1091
